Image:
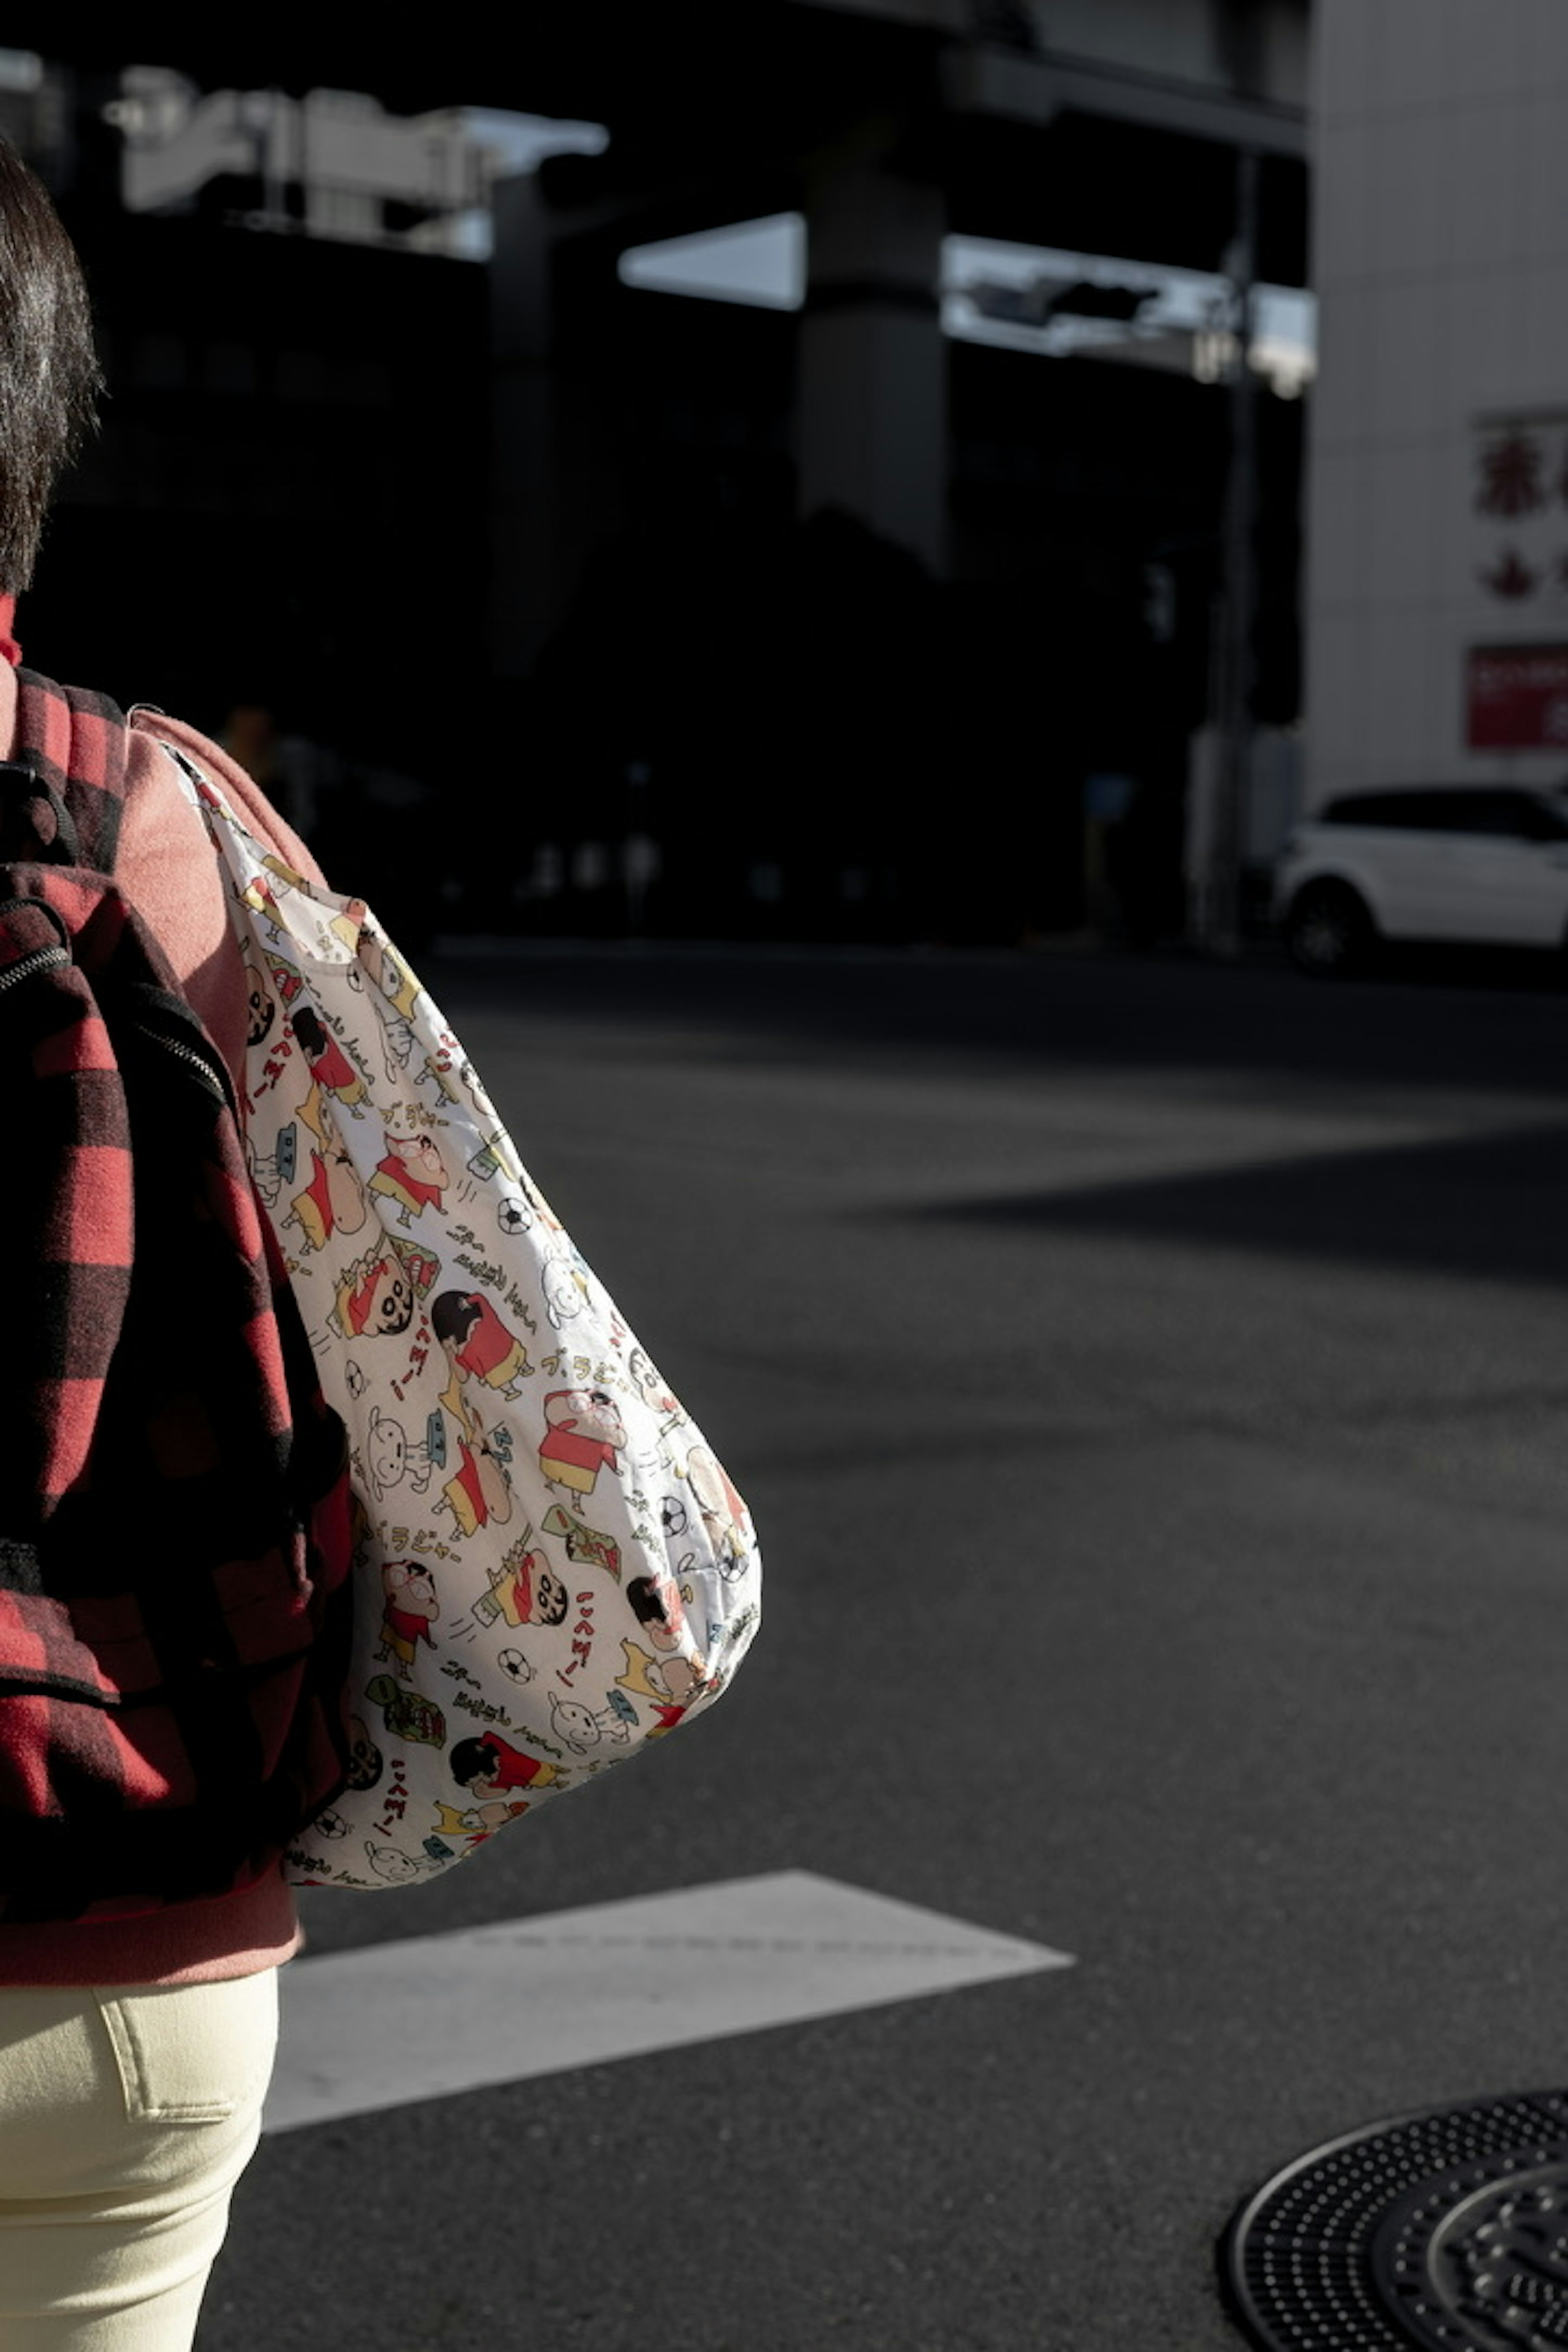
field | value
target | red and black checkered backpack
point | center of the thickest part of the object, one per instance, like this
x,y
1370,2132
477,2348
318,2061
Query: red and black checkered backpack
x,y
174,1493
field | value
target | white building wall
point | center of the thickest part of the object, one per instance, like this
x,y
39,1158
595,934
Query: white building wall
x,y
1441,267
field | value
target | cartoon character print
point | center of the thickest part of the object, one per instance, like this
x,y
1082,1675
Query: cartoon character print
x,y
381,1293
374,1296
261,1005
524,1589
348,923
494,1157
582,1730
439,1068
655,1604
584,1543
582,1439
411,1608
397,1869
397,1043
389,1458
397,982
409,1715
333,1201
270,1171
282,1070
565,1291
287,980
723,1513
513,1215
258,895
497,1155
283,872
672,1684
411,1173
645,1379
488,1766
479,1493
474,1823
331,1071
365,1765
478,1345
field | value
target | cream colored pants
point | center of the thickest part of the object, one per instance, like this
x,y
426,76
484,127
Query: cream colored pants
x,y
127,2113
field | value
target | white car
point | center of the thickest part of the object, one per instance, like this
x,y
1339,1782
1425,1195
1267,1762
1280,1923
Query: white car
x,y
1483,866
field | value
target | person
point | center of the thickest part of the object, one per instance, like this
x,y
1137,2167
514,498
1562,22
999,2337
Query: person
x,y
135,2051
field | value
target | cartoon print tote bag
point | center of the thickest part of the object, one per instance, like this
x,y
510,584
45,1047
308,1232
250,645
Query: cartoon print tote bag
x,y
553,1569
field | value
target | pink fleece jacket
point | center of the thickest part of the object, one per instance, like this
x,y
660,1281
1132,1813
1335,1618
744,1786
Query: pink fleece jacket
x,y
167,868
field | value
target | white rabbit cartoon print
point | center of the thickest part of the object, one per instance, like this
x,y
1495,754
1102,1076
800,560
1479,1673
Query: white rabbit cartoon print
x,y
553,1568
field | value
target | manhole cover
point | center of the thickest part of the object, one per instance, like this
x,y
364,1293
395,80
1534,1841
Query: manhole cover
x,y
1447,2228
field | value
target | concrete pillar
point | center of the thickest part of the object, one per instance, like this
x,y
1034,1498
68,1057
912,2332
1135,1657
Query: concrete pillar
x,y
871,420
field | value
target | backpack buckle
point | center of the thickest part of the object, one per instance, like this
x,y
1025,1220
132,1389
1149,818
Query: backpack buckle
x,y
34,822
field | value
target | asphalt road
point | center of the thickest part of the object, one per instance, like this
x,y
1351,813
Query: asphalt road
x,y
1150,1383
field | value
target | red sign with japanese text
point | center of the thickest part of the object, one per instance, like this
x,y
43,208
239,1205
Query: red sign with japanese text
x,y
1518,698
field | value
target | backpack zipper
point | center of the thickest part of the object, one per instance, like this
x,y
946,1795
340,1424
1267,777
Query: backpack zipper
x,y
50,958
197,1061
41,960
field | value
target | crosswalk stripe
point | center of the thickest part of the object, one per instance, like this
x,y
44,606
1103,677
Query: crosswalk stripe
x,y
434,2015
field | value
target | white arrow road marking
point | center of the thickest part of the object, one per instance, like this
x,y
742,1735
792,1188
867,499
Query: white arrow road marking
x,y
432,2015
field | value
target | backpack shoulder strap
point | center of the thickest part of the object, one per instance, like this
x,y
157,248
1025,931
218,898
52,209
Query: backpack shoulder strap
x,y
74,743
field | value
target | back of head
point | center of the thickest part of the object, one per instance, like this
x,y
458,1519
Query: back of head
x,y
49,369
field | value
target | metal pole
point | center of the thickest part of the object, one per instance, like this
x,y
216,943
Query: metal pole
x,y
1236,663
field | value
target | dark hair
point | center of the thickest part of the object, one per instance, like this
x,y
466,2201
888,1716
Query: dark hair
x,y
469,1759
454,1314
647,1604
309,1031
50,375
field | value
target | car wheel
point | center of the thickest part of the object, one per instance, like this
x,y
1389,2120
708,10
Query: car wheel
x,y
1328,930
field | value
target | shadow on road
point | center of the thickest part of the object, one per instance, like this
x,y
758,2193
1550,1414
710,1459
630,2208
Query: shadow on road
x,y
1065,1011
1496,1206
